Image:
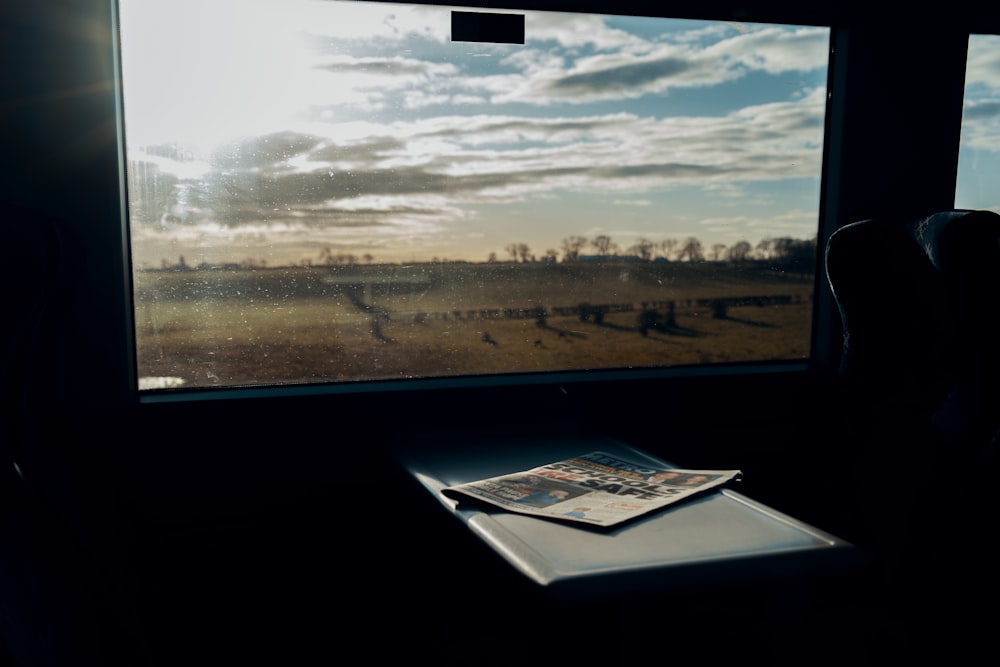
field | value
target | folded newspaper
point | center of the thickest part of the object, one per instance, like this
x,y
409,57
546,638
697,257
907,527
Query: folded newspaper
x,y
595,488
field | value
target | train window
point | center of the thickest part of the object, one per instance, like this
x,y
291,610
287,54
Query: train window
x,y
978,185
345,192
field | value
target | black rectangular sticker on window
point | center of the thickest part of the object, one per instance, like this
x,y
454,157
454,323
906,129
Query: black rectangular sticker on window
x,y
487,27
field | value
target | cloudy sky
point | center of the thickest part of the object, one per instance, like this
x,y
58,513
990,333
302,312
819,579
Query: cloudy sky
x,y
979,158
275,129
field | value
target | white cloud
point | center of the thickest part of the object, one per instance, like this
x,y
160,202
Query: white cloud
x,y
578,30
359,21
983,65
776,50
647,67
981,115
981,124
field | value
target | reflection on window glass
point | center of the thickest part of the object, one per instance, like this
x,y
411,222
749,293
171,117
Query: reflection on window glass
x,y
978,184
338,191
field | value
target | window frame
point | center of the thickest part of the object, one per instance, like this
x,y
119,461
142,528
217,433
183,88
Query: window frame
x,y
99,361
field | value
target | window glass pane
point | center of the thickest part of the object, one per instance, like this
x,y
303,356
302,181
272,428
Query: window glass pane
x,y
978,184
338,191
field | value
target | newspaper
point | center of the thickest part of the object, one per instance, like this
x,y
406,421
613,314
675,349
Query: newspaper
x,y
596,488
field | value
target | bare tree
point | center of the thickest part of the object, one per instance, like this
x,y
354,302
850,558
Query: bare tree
x,y
669,246
524,251
572,247
512,249
794,255
764,248
718,251
691,248
643,248
739,251
602,244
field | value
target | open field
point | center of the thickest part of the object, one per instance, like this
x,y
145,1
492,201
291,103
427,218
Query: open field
x,y
312,324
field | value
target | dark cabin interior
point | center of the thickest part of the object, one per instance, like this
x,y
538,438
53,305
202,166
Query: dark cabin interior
x,y
205,532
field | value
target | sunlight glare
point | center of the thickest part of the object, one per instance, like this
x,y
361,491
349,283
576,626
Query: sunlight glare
x,y
211,71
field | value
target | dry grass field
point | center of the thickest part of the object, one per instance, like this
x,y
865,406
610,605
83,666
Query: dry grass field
x,y
312,324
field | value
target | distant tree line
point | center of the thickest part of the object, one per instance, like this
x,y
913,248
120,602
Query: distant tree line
x,y
782,253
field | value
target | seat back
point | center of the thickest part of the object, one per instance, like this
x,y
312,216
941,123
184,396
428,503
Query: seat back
x,y
919,302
